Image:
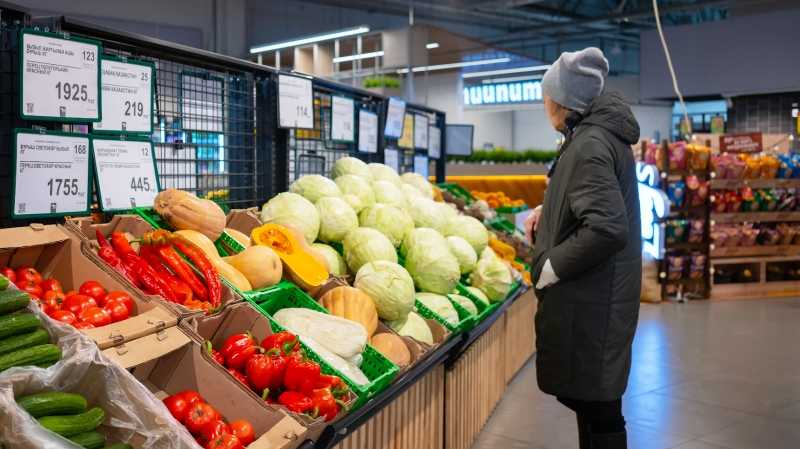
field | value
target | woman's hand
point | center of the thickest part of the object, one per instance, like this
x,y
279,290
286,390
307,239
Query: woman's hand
x,y
532,222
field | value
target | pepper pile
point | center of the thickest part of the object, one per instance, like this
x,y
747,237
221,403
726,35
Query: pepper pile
x,y
280,372
159,268
206,424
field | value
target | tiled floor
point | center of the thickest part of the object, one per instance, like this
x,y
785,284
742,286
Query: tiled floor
x,y
706,375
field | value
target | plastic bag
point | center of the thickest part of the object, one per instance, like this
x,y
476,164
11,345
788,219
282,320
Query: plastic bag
x,y
133,414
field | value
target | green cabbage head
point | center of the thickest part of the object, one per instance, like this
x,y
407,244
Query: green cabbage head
x,y
433,268
292,210
413,326
357,186
382,172
336,219
390,287
388,193
425,237
419,182
351,166
469,229
426,214
440,305
314,187
465,302
333,259
365,245
464,253
493,278
393,222
478,294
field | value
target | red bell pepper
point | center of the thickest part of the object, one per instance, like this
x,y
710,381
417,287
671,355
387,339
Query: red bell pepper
x,y
301,375
334,383
325,404
236,343
121,244
202,263
295,401
265,371
238,359
284,341
213,353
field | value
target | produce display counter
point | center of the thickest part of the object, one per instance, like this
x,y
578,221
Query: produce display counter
x,y
529,188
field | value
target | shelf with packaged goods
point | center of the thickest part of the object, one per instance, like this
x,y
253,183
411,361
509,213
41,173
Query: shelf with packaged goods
x,y
769,251
732,184
753,217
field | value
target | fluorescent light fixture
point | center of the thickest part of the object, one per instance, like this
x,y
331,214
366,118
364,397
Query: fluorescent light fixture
x,y
310,39
432,45
509,79
357,57
456,65
536,68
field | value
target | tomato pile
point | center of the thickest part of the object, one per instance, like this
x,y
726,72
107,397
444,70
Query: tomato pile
x,y
279,371
206,424
88,307
158,268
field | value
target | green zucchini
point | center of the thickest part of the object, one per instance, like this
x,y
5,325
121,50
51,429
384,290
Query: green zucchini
x,y
52,403
70,425
4,282
18,323
13,343
35,355
119,446
13,300
89,440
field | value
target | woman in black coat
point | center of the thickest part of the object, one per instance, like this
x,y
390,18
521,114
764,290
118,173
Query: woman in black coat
x,y
587,265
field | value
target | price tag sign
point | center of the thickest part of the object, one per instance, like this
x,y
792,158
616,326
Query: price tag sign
x,y
434,142
421,165
127,96
394,117
295,102
60,78
343,114
421,131
367,131
392,159
126,173
51,174
407,139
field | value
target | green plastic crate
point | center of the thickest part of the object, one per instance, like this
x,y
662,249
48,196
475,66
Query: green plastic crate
x,y
466,320
457,191
378,369
483,309
501,224
511,210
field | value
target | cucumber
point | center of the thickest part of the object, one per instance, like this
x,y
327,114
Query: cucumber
x,y
89,440
67,426
35,355
4,282
52,403
18,323
119,446
36,337
13,300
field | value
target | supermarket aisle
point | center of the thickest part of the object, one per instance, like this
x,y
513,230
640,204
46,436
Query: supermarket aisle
x,y
705,376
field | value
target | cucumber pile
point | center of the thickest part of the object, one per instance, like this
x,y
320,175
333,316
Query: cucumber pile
x,y
23,340
68,415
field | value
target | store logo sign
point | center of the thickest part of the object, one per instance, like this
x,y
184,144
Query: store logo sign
x,y
503,93
653,207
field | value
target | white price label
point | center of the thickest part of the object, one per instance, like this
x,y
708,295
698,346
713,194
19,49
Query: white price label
x,y
60,78
434,142
395,114
367,132
421,132
421,166
127,97
51,174
343,114
126,173
295,102
392,159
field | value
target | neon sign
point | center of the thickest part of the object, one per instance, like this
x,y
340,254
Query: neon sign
x,y
653,206
503,93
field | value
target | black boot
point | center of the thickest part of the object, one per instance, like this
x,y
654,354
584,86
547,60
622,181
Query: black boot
x,y
617,440
584,434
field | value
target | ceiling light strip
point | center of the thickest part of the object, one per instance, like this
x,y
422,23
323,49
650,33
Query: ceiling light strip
x,y
536,68
456,65
374,54
310,39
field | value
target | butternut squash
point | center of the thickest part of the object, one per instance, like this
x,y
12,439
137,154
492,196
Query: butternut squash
x,y
182,210
238,236
304,267
352,304
200,241
259,264
232,275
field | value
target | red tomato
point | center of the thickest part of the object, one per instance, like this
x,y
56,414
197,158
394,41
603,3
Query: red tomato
x,y
227,441
26,273
117,310
96,316
51,284
177,406
198,416
243,430
9,273
93,289
214,430
51,302
65,316
192,397
53,295
70,293
123,297
30,288
78,303
84,325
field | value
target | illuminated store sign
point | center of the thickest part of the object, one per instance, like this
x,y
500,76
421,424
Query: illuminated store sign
x,y
654,206
503,93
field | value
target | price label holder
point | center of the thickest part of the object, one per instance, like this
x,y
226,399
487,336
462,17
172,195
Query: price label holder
x,y
295,102
391,157
421,165
59,77
421,131
127,87
343,114
367,131
434,142
51,174
126,172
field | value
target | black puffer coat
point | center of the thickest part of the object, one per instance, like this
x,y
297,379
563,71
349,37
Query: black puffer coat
x,y
590,231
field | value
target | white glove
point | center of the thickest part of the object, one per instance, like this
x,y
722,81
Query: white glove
x,y
547,277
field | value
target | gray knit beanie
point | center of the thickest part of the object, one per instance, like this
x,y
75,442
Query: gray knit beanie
x,y
576,78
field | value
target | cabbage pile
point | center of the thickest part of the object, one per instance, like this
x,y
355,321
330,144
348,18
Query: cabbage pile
x,y
358,187
391,221
365,245
351,166
382,172
314,187
388,193
292,210
336,219
333,259
390,286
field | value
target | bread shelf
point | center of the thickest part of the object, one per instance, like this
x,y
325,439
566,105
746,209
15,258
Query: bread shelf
x,y
754,217
731,184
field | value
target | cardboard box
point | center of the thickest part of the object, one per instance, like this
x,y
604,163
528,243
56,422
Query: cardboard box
x,y
59,254
85,229
188,369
